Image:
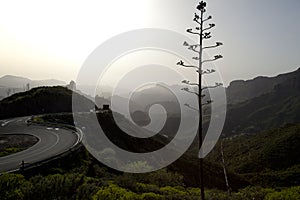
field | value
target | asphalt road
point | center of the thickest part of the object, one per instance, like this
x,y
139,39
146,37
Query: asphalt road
x,y
52,141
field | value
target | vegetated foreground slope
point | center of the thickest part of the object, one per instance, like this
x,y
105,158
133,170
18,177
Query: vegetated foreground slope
x,y
186,166
270,158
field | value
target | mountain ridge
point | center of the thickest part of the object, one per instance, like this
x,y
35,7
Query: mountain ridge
x,y
269,110
243,90
19,81
11,84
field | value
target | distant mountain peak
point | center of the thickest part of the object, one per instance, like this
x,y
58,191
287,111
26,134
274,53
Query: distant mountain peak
x,y
13,81
13,77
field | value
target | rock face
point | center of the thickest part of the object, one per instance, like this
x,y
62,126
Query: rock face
x,y
271,109
239,91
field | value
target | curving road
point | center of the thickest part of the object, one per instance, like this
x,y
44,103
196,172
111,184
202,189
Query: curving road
x,y
52,141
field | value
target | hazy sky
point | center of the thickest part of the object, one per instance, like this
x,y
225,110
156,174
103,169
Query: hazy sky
x,y
51,39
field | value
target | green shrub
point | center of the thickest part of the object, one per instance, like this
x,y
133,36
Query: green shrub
x,y
216,195
285,194
164,178
9,186
151,196
145,188
10,150
113,192
253,193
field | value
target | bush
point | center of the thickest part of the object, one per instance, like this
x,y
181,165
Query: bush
x,y
164,178
216,195
151,196
10,185
144,188
113,192
253,193
286,194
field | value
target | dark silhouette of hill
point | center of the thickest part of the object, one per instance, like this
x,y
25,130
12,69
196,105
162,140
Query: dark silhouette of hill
x,y
47,100
41,100
13,84
270,158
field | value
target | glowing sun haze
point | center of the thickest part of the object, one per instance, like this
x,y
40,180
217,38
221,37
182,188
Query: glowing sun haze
x,y
51,39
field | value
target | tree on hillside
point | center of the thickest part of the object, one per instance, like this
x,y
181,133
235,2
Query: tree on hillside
x,y
202,31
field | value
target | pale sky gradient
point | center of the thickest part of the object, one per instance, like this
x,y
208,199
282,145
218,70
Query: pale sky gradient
x,y
51,39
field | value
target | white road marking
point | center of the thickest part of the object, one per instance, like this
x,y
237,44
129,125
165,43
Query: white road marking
x,y
6,122
11,157
26,155
56,142
3,122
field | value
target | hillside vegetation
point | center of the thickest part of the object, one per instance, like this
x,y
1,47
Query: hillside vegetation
x,y
270,158
186,166
261,151
41,100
